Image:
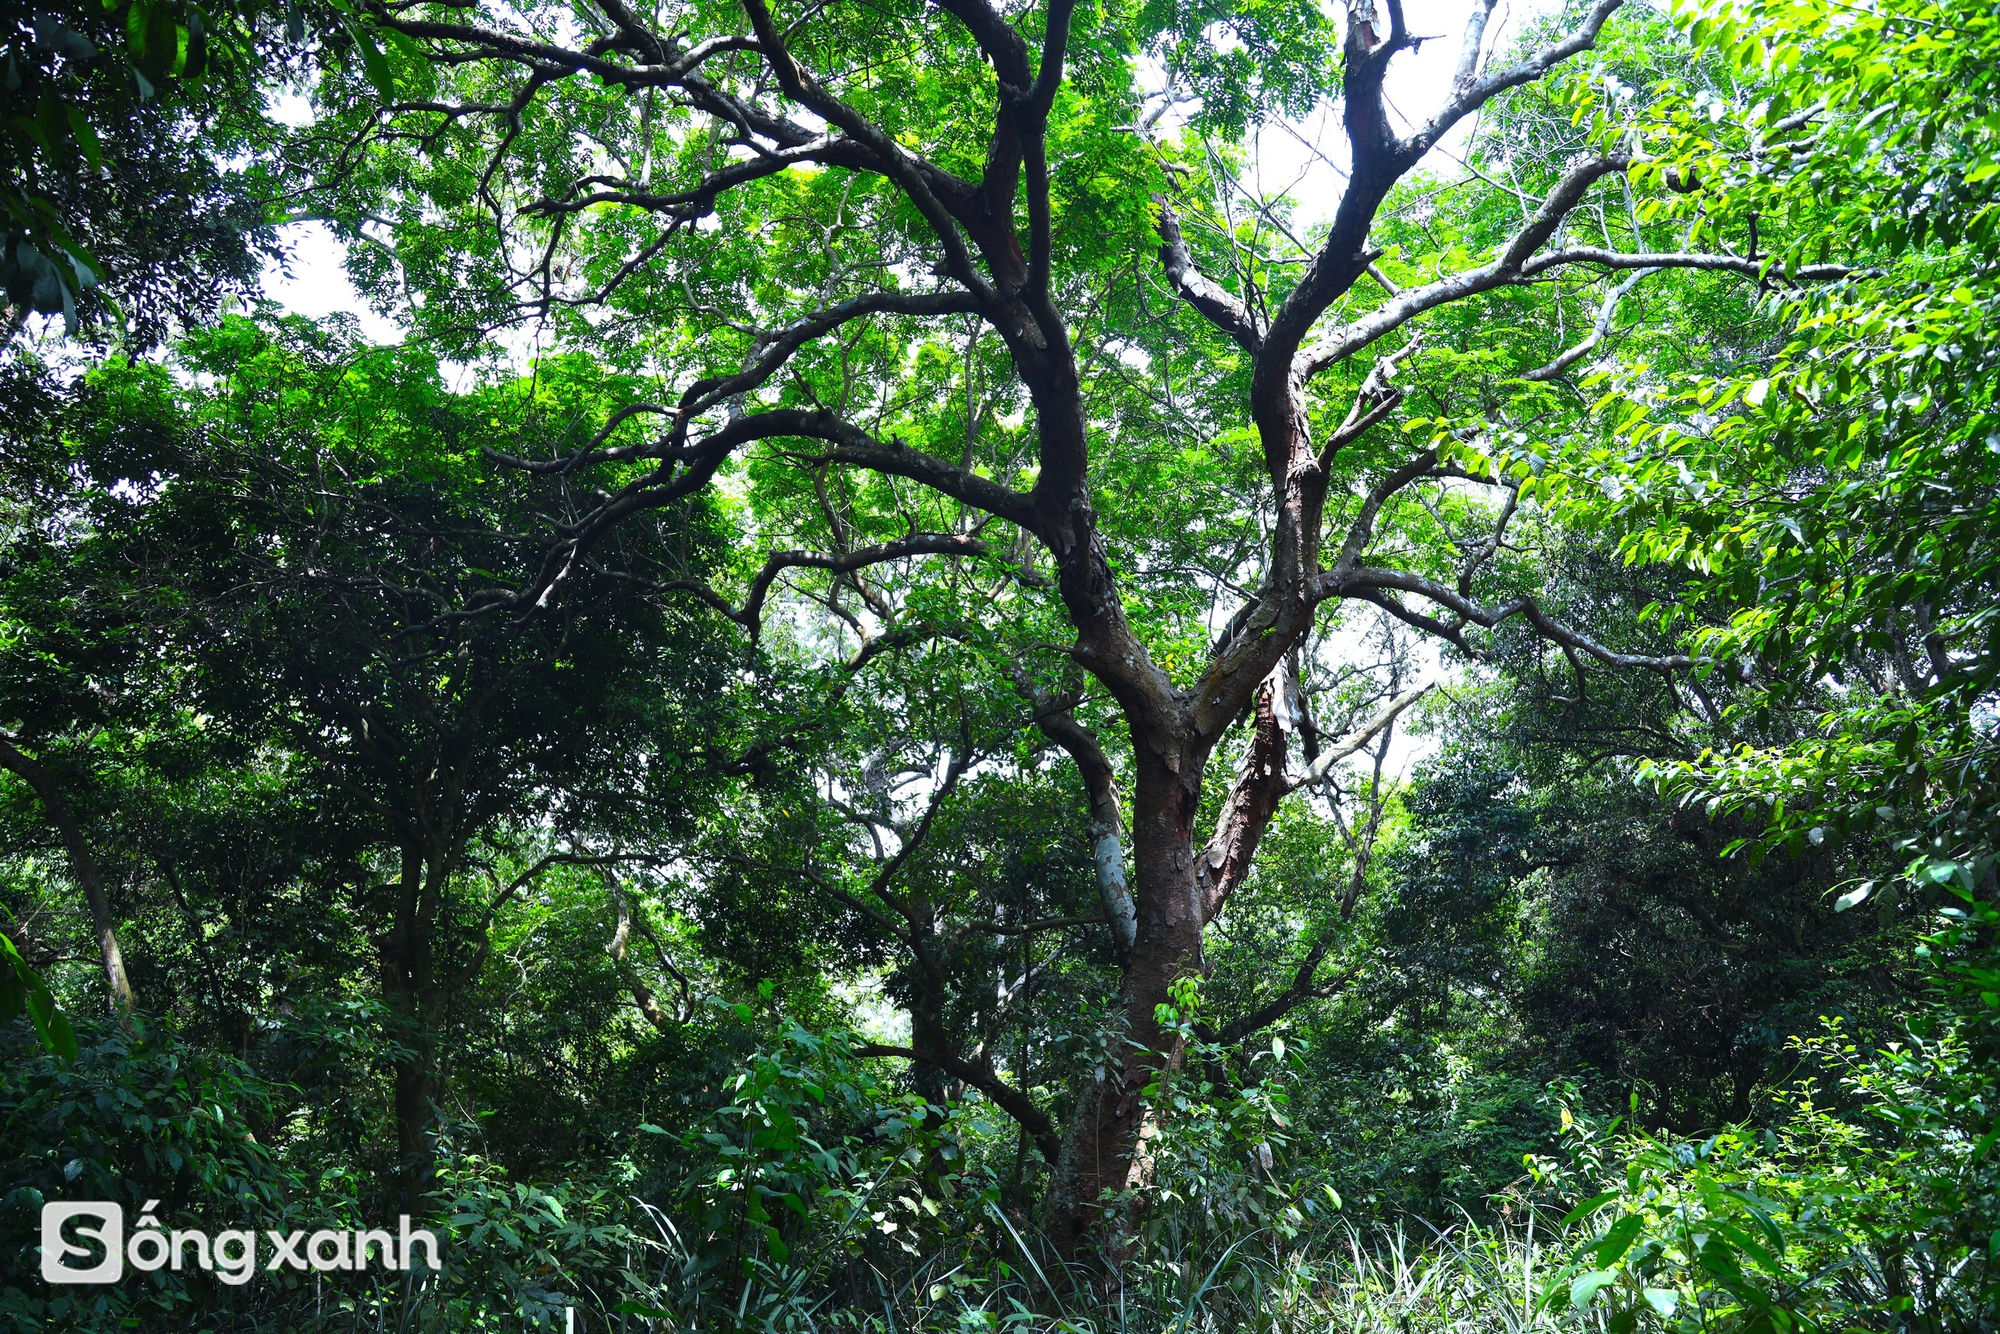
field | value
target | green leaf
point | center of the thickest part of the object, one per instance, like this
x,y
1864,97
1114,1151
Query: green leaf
x,y
160,42
59,1037
640,1309
373,62
13,995
1589,1207
1618,1239
404,43
1761,1210
77,252
194,59
22,988
1586,1287
86,138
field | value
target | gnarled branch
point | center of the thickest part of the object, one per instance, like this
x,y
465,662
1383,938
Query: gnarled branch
x,y
1216,305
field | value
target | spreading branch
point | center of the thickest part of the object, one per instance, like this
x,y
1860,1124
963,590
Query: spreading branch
x,y
1353,743
1057,721
982,1076
1218,306
1380,586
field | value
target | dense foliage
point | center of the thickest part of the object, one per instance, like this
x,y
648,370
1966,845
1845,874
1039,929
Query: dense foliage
x,y
929,695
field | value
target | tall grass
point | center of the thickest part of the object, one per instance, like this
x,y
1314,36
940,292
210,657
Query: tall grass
x,y
1470,1278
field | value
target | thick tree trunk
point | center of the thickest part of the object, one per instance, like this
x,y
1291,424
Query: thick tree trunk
x,y
416,1162
928,1033
1180,891
1095,1169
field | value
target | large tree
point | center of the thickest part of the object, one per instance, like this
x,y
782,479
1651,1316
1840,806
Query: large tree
x,y
906,266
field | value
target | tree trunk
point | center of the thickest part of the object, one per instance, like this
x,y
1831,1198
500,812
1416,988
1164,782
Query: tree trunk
x,y
416,1164
409,986
1180,892
1095,1169
83,869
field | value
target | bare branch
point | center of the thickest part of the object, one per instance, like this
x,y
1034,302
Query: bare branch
x,y
982,1076
1362,531
1039,925
1107,822
1033,111
1602,326
852,445
594,452
750,615
642,995
1518,262
1471,92
1491,546
1305,987
1471,46
687,469
998,41
775,350
1375,400
893,160
1762,269
1375,727
1507,267
1359,581
917,544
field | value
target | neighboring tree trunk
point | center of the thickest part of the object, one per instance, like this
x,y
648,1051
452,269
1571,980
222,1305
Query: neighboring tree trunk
x,y
415,1092
83,869
410,986
620,951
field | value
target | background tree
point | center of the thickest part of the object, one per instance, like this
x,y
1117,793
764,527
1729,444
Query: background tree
x,y
456,756
137,158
